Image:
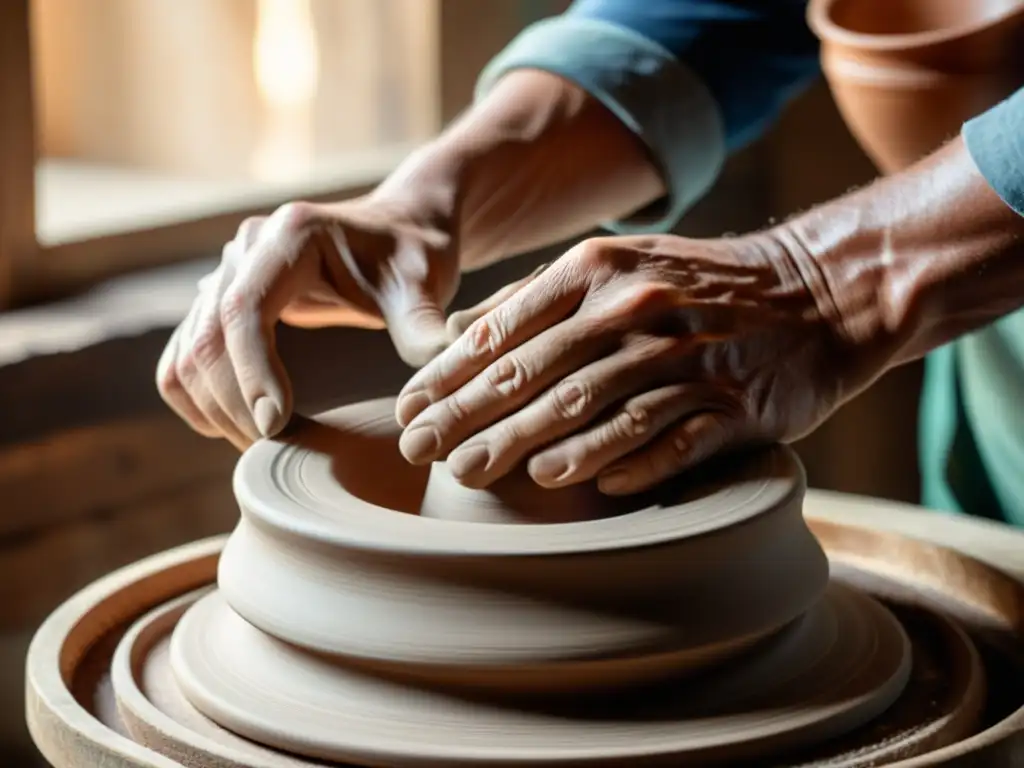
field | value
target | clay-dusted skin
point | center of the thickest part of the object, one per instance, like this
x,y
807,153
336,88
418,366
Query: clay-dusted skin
x,y
346,549
906,74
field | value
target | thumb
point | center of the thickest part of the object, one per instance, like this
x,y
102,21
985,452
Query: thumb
x,y
417,324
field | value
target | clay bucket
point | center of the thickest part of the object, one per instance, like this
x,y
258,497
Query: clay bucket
x,y
906,74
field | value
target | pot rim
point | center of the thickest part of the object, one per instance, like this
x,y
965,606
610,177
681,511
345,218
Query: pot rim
x,y
819,19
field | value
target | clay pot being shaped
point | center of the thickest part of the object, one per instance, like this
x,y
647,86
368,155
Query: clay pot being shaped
x,y
906,74
349,551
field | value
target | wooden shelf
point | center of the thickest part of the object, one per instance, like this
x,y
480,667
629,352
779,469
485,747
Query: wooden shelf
x,y
82,201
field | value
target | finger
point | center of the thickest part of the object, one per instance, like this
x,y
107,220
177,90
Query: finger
x,y
195,385
503,387
638,421
210,351
538,306
248,233
696,439
248,313
406,292
173,393
416,323
570,405
209,286
459,321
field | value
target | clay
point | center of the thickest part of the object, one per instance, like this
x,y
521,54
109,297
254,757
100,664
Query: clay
x,y
413,622
906,74
433,592
942,702
834,669
65,717
156,711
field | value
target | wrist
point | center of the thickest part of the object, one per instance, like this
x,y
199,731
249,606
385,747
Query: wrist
x,y
425,188
839,251
916,259
535,162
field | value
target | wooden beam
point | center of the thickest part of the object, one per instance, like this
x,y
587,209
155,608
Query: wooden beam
x,y
85,472
67,265
470,33
17,147
38,573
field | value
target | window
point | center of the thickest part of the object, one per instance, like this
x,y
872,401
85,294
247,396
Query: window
x,y
139,132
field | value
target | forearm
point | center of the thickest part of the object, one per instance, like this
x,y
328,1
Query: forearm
x,y
536,161
916,259
600,116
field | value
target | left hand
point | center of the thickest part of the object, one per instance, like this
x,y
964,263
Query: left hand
x,y
371,262
631,359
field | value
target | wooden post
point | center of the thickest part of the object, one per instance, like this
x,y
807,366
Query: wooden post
x,y
17,148
470,33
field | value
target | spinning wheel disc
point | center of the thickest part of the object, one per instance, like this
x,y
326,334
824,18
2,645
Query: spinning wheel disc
x,y
835,668
142,720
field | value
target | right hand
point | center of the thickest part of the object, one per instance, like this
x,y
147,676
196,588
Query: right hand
x,y
362,262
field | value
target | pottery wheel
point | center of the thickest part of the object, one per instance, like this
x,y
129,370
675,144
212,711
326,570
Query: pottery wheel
x,y
374,613
940,703
835,668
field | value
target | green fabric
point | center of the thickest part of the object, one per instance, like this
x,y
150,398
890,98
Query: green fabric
x,y
955,478
972,419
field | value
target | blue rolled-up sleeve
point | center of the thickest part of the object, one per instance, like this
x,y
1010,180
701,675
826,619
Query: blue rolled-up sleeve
x,y
995,140
693,79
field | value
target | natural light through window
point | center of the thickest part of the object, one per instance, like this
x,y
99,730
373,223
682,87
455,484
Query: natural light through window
x,y
286,67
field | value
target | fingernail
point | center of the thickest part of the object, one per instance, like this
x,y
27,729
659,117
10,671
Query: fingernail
x,y
267,416
613,481
469,461
410,406
548,469
420,444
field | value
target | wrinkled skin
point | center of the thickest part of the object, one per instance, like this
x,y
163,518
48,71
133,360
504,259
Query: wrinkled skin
x,y
358,263
631,359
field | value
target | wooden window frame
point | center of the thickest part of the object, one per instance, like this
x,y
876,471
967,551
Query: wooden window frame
x,y
468,33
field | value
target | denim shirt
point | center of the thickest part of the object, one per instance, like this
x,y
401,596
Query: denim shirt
x,y
696,80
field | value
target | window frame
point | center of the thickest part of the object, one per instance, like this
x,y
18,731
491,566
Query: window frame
x,y
468,33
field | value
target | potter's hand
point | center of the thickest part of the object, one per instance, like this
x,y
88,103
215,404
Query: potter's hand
x,y
362,262
535,161
631,359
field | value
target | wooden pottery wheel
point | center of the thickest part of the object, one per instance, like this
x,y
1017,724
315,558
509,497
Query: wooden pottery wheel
x,y
373,613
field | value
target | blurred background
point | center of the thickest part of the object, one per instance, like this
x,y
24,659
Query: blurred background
x,y
136,134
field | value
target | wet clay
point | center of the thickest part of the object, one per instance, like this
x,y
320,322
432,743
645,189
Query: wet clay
x,y
906,74
409,622
371,612
837,667
76,722
407,571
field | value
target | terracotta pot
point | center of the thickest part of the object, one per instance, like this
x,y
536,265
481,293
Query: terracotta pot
x,y
906,74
